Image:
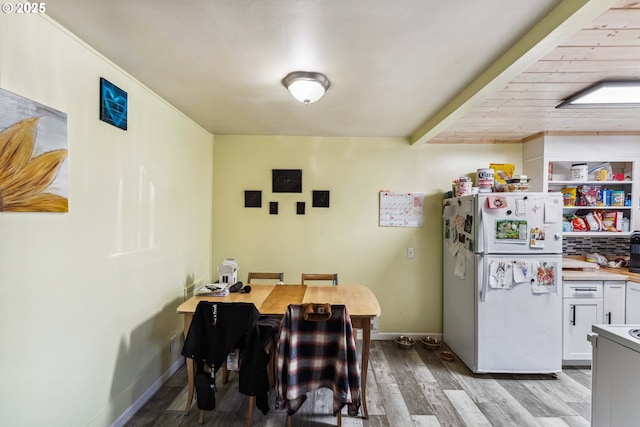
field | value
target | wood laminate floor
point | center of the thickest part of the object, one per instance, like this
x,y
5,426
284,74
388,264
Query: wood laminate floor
x,y
404,388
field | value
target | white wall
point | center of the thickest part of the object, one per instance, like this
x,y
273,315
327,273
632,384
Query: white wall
x,y
345,238
88,298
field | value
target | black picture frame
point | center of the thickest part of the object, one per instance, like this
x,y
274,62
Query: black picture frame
x,y
253,199
273,208
114,104
286,180
300,208
320,199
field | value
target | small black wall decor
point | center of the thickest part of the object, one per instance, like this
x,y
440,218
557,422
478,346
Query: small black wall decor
x,y
320,199
286,180
113,104
273,208
253,199
300,208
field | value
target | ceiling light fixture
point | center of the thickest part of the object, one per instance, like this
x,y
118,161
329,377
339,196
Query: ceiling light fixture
x,y
306,86
606,94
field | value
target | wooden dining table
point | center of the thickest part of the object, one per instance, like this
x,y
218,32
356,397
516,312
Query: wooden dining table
x,y
360,301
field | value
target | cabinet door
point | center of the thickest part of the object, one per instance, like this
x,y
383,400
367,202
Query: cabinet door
x,y
614,302
578,316
633,303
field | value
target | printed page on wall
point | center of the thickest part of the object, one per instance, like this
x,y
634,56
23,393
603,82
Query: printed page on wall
x,y
401,209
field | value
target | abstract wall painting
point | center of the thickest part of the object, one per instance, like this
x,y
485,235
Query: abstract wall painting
x,y
33,156
113,104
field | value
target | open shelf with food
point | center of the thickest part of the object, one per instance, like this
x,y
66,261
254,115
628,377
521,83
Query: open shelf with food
x,y
596,195
601,166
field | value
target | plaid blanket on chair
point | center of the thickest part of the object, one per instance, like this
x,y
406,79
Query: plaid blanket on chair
x,y
317,354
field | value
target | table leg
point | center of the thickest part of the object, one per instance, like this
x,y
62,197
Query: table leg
x,y
191,384
188,317
366,344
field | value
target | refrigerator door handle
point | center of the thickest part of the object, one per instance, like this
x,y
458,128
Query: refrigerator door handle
x,y
484,277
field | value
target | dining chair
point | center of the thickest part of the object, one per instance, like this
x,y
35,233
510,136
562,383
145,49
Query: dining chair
x,y
217,329
333,278
317,349
266,276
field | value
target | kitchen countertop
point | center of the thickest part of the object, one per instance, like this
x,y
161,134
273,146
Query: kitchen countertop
x,y
601,274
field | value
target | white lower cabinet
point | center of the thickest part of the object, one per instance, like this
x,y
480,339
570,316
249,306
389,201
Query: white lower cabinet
x,y
614,302
586,303
632,314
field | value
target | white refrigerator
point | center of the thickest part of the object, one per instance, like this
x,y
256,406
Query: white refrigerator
x,y
502,281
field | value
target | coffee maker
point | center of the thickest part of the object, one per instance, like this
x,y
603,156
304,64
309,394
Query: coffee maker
x,y
634,253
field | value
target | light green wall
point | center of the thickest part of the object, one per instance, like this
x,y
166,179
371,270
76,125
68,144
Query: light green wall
x,y
346,237
88,298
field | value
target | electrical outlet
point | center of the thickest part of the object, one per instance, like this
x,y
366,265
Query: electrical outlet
x,y
173,342
410,253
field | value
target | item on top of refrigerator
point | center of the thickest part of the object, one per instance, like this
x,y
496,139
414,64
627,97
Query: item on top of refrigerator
x,y
463,186
588,195
502,172
484,180
594,221
569,196
518,183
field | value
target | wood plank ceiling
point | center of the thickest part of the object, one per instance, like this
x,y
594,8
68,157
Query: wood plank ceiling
x,y
608,49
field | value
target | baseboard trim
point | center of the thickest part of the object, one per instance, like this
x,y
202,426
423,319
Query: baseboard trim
x,y
144,397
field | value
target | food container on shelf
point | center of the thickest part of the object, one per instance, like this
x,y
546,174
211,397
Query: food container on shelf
x,y
604,197
579,172
569,195
617,198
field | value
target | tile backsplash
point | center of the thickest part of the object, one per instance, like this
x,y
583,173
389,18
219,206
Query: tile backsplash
x,y
603,245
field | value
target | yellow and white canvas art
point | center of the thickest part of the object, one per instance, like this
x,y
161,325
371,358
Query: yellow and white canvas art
x,y
33,156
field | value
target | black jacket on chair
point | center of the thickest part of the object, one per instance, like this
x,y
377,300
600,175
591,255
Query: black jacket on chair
x,y
218,328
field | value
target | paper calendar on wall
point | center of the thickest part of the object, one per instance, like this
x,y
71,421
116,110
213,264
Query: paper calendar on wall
x,y
401,209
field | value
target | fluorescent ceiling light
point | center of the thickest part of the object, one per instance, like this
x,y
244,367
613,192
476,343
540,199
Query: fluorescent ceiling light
x,y
608,94
305,86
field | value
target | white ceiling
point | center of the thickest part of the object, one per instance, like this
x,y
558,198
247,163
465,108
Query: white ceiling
x,y
397,67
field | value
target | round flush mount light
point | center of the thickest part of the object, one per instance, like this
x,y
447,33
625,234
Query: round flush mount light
x,y
306,86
